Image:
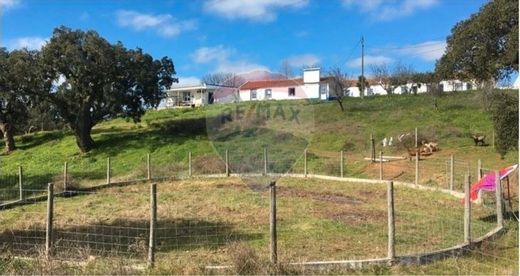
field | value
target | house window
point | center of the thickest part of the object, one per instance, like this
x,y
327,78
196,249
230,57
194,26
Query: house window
x,y
458,86
292,92
268,93
469,86
186,96
253,94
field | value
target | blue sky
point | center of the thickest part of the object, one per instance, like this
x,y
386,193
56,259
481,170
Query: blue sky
x,y
205,36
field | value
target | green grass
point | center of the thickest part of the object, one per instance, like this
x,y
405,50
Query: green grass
x,y
169,135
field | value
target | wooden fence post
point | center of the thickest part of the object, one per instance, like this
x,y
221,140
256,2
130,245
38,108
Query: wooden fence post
x,y
417,156
391,220
498,190
49,230
467,210
380,165
65,175
108,170
416,142
479,169
341,163
493,139
272,223
20,181
190,172
153,221
452,171
305,162
372,148
227,163
265,161
148,167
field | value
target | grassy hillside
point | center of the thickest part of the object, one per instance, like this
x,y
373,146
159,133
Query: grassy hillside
x,y
314,223
168,135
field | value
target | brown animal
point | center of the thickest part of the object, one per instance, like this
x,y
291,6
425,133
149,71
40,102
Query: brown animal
x,y
479,139
412,152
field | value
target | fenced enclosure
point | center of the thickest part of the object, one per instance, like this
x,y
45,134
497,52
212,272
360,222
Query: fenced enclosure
x,y
446,173
200,212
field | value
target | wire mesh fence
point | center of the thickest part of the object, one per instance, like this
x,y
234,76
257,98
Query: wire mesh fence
x,y
203,221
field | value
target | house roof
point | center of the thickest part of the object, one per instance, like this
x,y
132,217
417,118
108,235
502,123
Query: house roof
x,y
270,83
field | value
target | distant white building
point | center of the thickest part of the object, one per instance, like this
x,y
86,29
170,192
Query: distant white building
x,y
456,85
311,86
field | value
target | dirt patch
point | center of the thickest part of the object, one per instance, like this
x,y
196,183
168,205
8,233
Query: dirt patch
x,y
320,196
355,215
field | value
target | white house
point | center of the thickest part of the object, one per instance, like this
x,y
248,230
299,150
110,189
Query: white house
x,y
311,86
189,96
456,85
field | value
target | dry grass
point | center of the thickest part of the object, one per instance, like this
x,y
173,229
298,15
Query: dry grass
x,y
222,221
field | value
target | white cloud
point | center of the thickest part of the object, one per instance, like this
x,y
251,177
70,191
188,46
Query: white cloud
x,y
225,60
303,60
163,24
209,54
386,10
239,66
254,10
29,42
369,60
8,4
429,50
187,81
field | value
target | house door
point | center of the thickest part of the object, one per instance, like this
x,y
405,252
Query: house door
x,y
210,98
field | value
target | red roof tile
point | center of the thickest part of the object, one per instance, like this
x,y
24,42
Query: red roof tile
x,y
270,83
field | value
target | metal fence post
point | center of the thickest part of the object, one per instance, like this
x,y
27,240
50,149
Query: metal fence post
x,y
20,181
272,223
467,210
153,221
189,165
380,165
65,175
148,167
49,230
341,163
108,170
452,171
498,190
391,220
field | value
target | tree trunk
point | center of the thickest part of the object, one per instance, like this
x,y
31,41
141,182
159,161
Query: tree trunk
x,y
8,137
83,139
341,104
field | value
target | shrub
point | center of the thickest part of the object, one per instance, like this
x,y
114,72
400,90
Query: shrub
x,y
504,114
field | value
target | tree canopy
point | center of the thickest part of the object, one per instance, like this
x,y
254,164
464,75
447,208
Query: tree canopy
x,y
89,80
485,46
20,79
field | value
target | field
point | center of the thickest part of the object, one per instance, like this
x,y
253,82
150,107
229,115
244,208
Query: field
x,y
220,221
204,222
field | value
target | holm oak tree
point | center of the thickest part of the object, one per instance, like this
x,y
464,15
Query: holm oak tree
x,y
19,80
90,80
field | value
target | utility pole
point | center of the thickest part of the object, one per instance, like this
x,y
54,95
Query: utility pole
x,y
362,92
